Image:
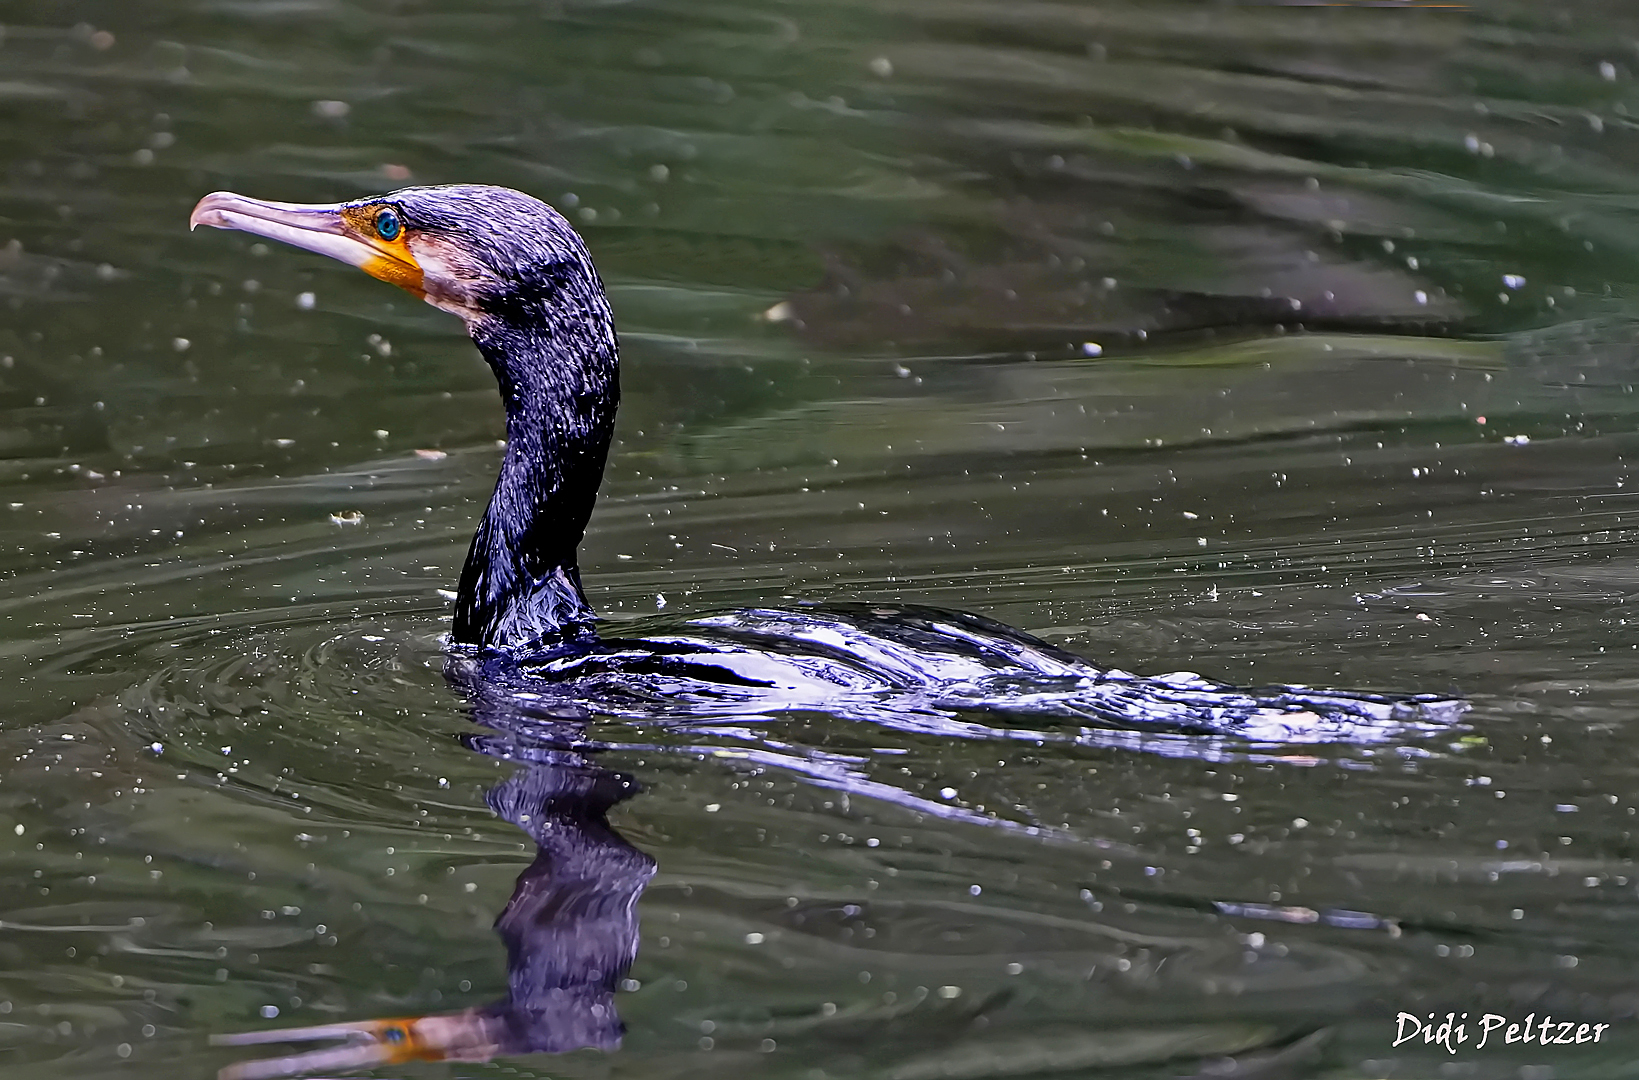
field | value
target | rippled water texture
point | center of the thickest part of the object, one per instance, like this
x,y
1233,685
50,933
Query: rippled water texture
x,y
1280,344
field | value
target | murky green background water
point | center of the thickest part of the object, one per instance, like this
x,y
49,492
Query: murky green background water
x,y
856,251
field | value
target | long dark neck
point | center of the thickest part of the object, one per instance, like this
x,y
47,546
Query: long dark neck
x,y
557,365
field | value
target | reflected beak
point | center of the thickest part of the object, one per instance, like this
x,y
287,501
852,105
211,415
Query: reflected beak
x,y
368,1044
339,230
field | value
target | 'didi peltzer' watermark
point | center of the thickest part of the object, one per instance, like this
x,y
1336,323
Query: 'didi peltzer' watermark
x,y
1455,1030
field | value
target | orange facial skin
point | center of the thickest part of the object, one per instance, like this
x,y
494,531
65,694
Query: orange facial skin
x,y
394,263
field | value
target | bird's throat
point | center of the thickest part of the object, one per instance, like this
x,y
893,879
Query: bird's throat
x,y
521,586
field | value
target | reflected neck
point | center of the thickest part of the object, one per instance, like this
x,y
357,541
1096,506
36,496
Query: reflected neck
x,y
557,365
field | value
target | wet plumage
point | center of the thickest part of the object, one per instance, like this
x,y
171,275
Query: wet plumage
x,y
522,280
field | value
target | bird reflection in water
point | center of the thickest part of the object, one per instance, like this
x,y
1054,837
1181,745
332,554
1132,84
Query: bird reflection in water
x,y
570,928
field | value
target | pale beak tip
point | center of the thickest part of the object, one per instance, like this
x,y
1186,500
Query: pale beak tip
x,y
208,211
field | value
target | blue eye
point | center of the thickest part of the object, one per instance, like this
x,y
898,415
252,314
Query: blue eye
x,y
388,226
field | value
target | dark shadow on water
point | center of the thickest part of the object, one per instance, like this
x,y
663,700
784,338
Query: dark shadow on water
x,y
570,928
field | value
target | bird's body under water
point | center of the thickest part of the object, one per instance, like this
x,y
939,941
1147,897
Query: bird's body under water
x,y
523,282
913,668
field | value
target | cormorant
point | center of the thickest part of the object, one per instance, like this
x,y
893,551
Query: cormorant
x,y
521,278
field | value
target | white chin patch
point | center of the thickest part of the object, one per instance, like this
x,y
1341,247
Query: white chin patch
x,y
448,276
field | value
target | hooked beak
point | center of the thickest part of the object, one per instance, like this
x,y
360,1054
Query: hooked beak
x,y
339,230
462,1036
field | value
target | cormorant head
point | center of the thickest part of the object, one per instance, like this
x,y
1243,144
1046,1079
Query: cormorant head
x,y
512,268
476,251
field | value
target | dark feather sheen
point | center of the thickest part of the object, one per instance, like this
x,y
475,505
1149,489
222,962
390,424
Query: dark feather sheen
x,y
539,316
523,281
